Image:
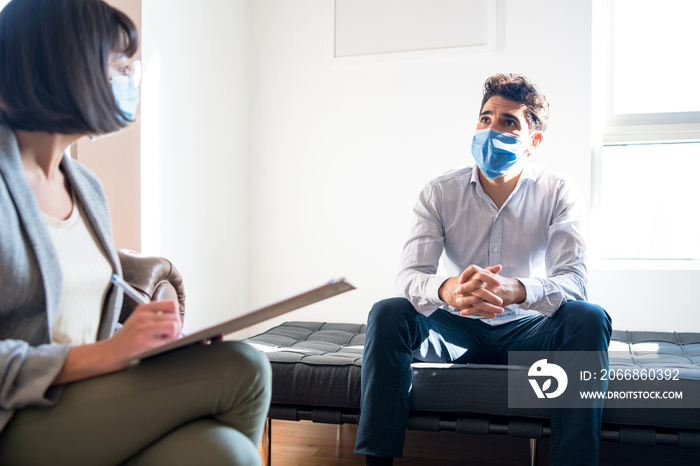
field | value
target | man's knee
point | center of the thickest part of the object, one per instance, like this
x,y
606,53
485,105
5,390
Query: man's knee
x,y
389,312
588,314
587,319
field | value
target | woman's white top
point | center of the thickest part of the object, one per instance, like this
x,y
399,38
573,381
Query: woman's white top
x,y
86,273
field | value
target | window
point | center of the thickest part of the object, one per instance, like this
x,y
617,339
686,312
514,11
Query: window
x,y
654,56
650,210
648,190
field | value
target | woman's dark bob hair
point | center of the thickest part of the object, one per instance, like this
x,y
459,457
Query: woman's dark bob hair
x,y
54,57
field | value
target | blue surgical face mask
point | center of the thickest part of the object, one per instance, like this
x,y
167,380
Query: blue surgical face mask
x,y
126,95
496,152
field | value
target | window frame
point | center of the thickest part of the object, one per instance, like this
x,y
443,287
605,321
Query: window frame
x,y
611,129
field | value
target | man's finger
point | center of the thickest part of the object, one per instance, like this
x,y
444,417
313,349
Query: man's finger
x,y
488,307
478,296
495,268
488,296
487,277
474,311
478,281
468,272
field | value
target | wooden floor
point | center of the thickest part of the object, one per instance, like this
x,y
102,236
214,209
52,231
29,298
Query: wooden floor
x,y
305,443
309,444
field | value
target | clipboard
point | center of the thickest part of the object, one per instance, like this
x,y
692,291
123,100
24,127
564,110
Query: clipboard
x,y
314,295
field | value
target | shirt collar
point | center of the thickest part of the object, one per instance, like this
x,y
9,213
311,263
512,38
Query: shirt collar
x,y
527,174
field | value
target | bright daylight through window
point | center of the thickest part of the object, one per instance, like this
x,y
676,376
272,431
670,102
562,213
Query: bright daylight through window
x,y
650,161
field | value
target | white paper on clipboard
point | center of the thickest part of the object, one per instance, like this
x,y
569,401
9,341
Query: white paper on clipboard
x,y
314,295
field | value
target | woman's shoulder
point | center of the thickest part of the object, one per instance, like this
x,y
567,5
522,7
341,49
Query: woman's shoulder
x,y
84,180
80,172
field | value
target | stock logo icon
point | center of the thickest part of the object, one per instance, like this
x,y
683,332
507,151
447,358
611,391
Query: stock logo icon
x,y
547,371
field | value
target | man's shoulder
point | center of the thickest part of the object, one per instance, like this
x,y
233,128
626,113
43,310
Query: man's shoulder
x,y
551,184
542,174
460,176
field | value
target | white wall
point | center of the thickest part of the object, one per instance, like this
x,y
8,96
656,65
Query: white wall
x,y
195,149
661,299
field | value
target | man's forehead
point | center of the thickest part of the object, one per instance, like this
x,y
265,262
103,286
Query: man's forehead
x,y
502,105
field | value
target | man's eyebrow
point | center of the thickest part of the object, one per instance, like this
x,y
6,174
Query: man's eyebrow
x,y
507,115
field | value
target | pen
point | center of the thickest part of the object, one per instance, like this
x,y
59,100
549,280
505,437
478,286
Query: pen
x,y
131,292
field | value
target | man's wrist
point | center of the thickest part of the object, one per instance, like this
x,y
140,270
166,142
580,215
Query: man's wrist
x,y
444,291
522,293
517,293
438,290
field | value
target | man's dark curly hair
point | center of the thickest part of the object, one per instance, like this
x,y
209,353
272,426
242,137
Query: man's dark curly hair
x,y
520,89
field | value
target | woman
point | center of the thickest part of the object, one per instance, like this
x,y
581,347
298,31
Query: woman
x,y
66,397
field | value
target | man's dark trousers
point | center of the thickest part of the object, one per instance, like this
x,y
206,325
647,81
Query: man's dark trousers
x,y
398,335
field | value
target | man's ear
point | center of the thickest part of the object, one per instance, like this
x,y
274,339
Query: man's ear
x,y
536,141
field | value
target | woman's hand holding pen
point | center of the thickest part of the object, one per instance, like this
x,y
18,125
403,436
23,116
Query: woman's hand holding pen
x,y
149,326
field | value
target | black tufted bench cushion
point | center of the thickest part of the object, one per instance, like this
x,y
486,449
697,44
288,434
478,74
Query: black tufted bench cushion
x,y
316,376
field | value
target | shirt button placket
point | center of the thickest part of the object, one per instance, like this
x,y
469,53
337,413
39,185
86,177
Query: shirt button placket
x,y
495,241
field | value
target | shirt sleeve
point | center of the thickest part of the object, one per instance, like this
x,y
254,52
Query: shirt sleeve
x,y
417,280
565,256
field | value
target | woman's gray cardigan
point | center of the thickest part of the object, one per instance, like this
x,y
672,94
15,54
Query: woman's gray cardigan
x,y
30,281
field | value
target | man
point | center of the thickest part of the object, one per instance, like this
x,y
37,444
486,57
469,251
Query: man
x,y
496,225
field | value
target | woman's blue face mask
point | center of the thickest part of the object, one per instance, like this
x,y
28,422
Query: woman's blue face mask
x,y
126,95
496,152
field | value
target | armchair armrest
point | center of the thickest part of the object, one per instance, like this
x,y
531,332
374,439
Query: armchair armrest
x,y
155,277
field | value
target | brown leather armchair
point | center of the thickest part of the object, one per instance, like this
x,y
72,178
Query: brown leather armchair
x,y
155,277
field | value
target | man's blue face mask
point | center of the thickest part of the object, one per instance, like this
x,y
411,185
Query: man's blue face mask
x,y
496,152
